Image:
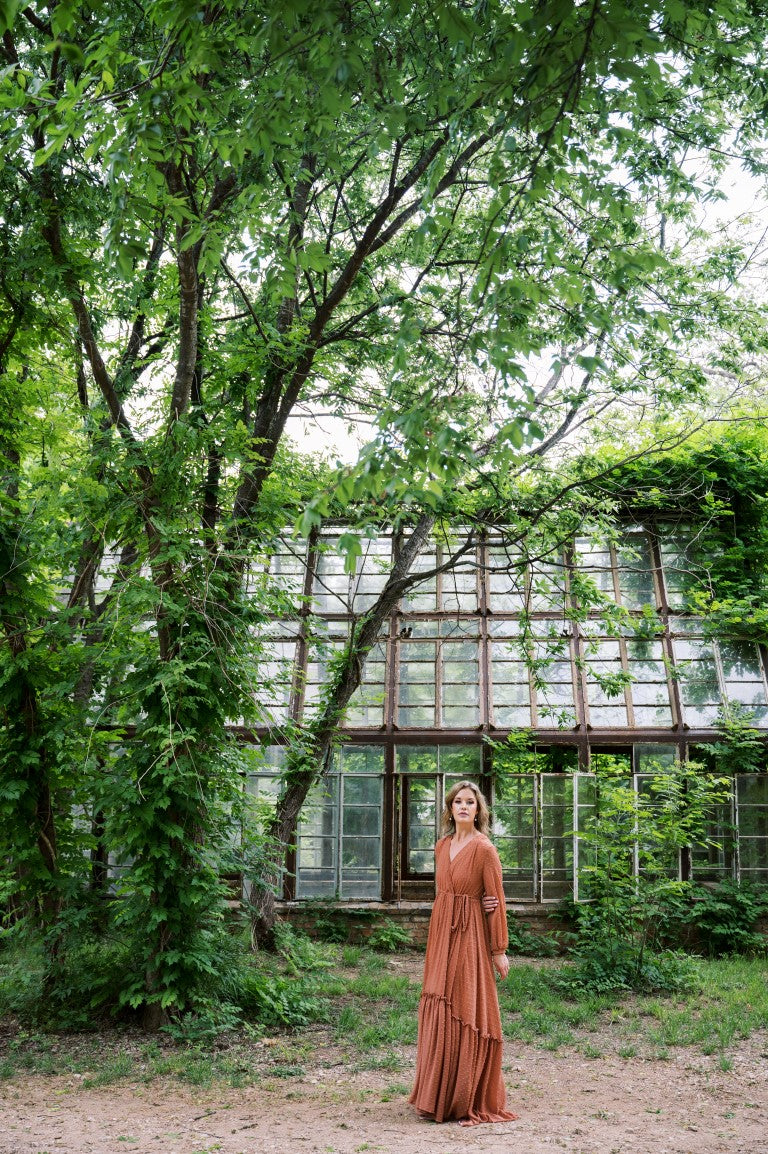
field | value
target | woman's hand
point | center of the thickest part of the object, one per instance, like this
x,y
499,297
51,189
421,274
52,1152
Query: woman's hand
x,y
501,964
490,903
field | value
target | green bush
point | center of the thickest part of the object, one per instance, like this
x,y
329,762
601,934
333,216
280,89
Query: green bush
x,y
300,951
334,923
74,992
278,1002
526,944
389,937
629,847
725,917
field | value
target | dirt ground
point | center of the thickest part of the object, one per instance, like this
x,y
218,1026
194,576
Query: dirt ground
x,y
686,1104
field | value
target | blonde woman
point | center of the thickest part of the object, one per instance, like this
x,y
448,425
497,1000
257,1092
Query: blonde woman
x,y
458,1061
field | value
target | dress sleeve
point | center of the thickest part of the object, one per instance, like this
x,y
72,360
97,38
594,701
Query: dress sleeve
x,y
492,884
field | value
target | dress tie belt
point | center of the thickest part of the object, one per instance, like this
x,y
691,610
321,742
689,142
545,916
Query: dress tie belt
x,y
461,910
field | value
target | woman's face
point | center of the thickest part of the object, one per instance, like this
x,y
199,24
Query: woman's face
x,y
464,809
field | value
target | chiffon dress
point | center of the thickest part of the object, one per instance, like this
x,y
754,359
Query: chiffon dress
x,y
458,1059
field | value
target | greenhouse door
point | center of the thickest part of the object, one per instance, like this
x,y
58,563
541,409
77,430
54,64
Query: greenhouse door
x,y
420,806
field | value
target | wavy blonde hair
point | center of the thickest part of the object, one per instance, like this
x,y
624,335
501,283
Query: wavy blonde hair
x,y
482,817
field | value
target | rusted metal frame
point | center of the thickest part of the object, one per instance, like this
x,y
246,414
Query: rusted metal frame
x,y
762,655
623,656
393,651
389,855
484,648
438,682
298,686
578,674
610,735
392,850
299,680
664,611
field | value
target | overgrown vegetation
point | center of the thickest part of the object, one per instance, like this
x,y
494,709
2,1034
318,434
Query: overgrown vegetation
x,y
630,846
714,484
726,918
363,1015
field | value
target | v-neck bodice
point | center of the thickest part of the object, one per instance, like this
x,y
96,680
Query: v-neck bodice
x,y
464,845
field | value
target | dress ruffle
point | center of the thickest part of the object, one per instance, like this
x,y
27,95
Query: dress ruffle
x,y
460,1075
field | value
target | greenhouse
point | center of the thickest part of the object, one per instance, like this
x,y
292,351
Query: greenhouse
x,y
592,653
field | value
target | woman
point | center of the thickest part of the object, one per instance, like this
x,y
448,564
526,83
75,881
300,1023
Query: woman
x,y
458,1061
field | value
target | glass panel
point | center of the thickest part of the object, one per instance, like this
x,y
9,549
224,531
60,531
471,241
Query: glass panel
x,y
752,816
516,855
317,836
499,627
547,586
514,831
359,759
649,757
416,759
651,860
714,860
636,572
417,683
593,561
317,673
372,572
461,687
332,587
699,688
556,848
460,589
461,761
275,678
511,692
682,559
605,690
366,705
288,566
512,716
505,580
421,810
359,819
685,626
752,789
361,791
423,597
360,857
585,801
354,829
742,673
361,837
552,676
650,690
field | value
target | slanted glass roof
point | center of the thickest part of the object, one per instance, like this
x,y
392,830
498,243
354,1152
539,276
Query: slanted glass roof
x,y
594,637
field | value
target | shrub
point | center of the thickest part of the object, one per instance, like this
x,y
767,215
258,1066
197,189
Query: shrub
x,y
526,944
631,914
278,1002
389,937
725,917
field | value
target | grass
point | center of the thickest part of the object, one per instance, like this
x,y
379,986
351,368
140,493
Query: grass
x,y
371,1019
728,1002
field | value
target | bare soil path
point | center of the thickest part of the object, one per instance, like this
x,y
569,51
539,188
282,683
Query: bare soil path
x,y
566,1103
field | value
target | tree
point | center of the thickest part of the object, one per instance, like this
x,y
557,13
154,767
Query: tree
x,y
367,209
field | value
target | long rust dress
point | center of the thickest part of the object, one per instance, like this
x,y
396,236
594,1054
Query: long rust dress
x,y
458,1060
